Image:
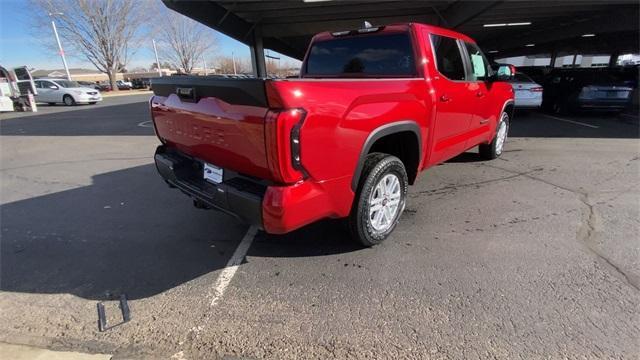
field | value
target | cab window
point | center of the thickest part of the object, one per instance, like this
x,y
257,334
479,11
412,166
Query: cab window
x,y
480,69
448,57
370,55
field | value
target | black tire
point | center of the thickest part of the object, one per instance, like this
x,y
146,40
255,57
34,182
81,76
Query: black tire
x,y
376,167
92,102
68,100
560,108
491,151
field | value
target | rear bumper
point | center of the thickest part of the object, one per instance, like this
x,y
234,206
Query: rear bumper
x,y
528,103
236,195
275,209
603,104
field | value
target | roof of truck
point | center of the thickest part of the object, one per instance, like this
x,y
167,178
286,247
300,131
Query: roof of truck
x,y
401,27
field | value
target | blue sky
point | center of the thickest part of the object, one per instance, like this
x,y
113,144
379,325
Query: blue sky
x,y
18,47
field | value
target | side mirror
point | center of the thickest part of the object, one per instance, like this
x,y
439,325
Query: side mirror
x,y
504,72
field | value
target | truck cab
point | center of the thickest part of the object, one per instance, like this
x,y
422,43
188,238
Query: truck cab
x,y
372,109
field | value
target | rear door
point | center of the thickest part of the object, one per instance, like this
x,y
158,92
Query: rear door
x,y
453,100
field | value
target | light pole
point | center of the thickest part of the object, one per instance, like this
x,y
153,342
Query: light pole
x,y
55,32
157,61
233,59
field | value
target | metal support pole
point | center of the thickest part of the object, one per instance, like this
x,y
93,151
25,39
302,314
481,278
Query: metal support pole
x,y
554,57
155,50
64,61
257,55
613,59
204,64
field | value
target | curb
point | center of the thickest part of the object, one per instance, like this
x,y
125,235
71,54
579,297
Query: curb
x,y
24,352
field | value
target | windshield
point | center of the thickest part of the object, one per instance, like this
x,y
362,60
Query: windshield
x,y
385,55
67,83
520,77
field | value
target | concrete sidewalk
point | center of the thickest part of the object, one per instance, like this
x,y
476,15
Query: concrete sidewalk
x,y
23,352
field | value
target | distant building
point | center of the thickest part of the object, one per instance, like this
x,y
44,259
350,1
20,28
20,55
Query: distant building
x,y
76,74
79,74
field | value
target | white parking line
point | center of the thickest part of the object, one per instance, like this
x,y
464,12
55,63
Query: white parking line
x,y
232,266
571,121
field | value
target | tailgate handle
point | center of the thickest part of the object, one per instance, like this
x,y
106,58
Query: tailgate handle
x,y
186,94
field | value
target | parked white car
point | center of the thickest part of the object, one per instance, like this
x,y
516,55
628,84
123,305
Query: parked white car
x,y
54,91
528,93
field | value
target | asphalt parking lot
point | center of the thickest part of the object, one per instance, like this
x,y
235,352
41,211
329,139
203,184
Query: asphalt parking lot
x,y
534,255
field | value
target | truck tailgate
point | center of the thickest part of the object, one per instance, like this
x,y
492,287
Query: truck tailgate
x,y
217,120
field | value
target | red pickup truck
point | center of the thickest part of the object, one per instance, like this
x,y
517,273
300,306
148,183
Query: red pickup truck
x,y
370,110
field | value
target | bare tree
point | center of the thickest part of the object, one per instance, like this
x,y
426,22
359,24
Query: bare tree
x,y
224,64
102,31
184,42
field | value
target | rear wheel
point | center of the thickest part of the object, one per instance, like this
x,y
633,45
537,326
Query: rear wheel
x,y
494,149
560,107
380,199
92,102
68,100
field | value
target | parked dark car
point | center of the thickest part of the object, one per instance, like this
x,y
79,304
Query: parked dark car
x,y
141,83
568,90
104,86
89,84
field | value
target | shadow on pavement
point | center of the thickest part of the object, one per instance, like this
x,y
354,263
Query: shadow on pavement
x,y
578,125
120,119
129,233
326,237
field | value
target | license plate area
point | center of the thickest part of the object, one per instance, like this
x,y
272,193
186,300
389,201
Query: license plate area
x,y
212,173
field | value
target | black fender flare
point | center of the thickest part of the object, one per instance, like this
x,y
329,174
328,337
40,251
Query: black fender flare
x,y
380,132
504,107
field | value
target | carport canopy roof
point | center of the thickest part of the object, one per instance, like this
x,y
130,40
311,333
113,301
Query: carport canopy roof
x,y
555,26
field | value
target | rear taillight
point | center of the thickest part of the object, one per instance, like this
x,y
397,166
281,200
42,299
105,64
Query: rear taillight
x,y
152,107
536,89
283,140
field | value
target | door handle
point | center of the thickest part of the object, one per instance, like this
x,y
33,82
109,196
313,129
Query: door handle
x,y
444,98
479,94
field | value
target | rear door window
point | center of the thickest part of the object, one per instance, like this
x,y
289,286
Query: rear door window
x,y
448,57
365,55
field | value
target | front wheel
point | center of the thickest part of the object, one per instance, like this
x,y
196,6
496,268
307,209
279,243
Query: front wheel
x,y
68,100
494,149
380,199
